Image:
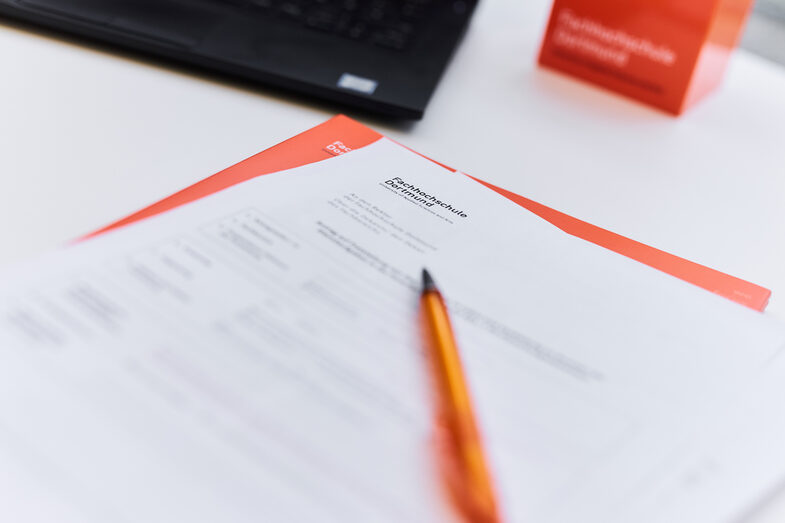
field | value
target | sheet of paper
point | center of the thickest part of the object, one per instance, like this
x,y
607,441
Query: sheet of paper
x,y
734,464
255,356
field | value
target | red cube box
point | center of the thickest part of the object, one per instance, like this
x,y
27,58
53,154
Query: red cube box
x,y
666,53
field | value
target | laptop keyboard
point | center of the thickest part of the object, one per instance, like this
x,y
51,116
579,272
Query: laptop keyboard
x,y
391,24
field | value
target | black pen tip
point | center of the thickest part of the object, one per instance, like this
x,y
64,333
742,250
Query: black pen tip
x,y
427,281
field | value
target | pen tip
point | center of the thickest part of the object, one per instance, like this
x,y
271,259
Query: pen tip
x,y
427,281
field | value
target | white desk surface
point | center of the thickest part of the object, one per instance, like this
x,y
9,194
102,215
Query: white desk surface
x,y
89,136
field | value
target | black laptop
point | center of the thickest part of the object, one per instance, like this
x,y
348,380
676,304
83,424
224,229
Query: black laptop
x,y
385,56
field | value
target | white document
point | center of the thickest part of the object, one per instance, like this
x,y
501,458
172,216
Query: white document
x,y
255,356
734,464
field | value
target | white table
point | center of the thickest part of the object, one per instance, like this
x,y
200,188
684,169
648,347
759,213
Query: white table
x,y
89,136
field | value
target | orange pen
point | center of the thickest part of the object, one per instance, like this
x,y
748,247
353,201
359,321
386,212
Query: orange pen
x,y
465,468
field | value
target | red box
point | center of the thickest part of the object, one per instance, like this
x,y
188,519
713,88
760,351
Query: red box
x,y
666,53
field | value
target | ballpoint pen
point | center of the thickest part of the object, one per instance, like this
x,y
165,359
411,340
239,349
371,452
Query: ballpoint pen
x,y
464,465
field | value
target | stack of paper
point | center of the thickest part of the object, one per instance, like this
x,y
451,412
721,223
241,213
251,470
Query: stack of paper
x,y
254,355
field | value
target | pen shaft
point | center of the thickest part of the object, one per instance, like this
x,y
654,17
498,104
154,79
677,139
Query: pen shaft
x,y
467,472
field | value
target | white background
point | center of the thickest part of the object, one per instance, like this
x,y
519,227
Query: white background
x,y
88,136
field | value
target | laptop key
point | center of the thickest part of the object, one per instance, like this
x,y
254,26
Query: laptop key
x,y
323,19
263,4
291,10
